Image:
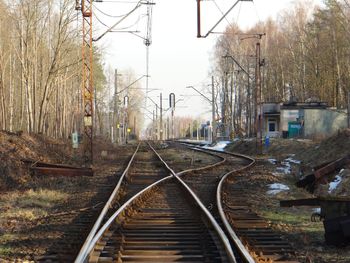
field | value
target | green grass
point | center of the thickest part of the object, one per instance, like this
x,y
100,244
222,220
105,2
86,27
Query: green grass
x,y
300,219
5,250
286,217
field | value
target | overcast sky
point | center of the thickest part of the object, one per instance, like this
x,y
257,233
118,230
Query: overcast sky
x,y
177,58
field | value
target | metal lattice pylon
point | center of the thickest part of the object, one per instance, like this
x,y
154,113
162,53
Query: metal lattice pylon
x,y
87,87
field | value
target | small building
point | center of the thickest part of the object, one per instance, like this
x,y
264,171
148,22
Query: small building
x,y
306,120
272,119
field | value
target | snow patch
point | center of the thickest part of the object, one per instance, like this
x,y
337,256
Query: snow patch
x,y
277,188
195,141
317,210
286,167
272,161
283,170
219,146
291,160
337,180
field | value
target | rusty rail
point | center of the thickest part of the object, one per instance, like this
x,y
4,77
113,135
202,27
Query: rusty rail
x,y
83,251
319,176
251,234
49,169
88,247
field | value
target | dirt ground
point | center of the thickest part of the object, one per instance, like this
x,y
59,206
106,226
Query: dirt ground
x,y
179,159
279,164
35,211
29,204
17,147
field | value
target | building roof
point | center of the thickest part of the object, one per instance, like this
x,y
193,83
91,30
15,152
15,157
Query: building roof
x,y
276,113
304,105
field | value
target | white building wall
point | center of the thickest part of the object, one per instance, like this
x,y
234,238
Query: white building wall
x,y
321,122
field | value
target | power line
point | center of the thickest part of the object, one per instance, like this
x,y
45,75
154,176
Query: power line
x,y
218,22
119,2
239,12
127,27
256,12
104,13
100,21
222,12
119,21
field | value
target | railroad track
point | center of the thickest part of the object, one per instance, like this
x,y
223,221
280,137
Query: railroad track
x,y
162,218
71,226
241,222
146,169
163,222
263,243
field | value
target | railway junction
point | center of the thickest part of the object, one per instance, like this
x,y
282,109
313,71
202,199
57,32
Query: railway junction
x,y
174,201
175,131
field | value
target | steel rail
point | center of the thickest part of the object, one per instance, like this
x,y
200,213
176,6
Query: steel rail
x,y
83,251
242,250
232,234
258,246
204,167
213,222
116,214
225,241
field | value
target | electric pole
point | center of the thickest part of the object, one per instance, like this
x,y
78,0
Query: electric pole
x,y
115,124
157,125
161,118
87,89
223,107
172,107
249,105
349,109
231,111
135,126
213,110
153,129
258,101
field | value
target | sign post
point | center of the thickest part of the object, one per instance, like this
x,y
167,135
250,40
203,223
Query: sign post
x,y
75,140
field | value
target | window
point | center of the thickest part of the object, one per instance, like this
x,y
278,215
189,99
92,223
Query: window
x,y
272,125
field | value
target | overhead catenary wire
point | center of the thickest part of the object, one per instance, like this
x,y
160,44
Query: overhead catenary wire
x,y
119,21
100,21
119,2
222,18
256,12
222,13
239,12
119,29
106,14
130,26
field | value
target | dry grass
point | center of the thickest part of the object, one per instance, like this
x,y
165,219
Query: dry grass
x,y
183,158
20,209
306,236
28,205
